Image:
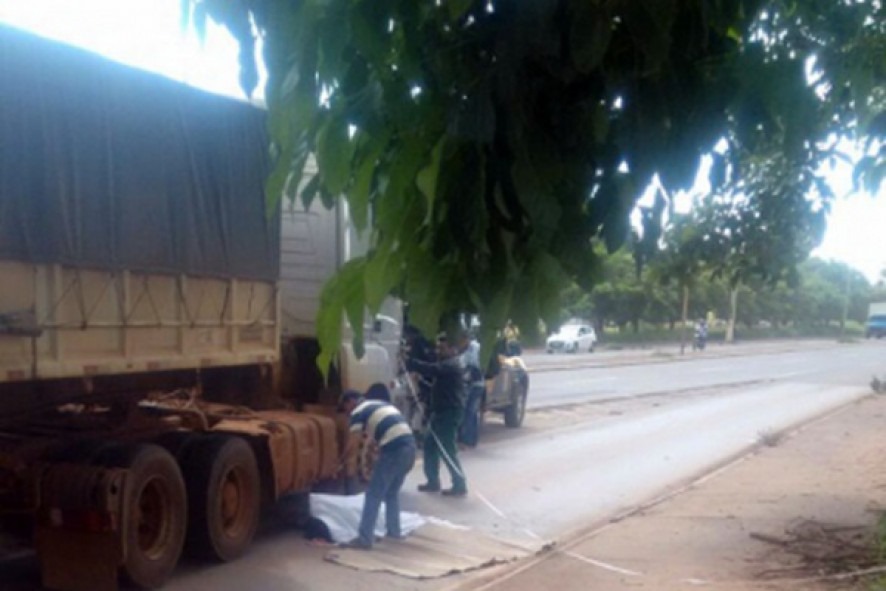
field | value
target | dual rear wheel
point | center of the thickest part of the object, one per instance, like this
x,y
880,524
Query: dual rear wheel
x,y
207,501
224,497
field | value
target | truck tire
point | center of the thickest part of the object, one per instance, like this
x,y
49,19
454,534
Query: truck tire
x,y
176,442
155,512
515,413
224,497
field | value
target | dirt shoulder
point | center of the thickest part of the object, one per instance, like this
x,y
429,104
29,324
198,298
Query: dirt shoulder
x,y
778,518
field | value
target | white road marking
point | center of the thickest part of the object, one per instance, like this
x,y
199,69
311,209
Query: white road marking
x,y
492,507
501,514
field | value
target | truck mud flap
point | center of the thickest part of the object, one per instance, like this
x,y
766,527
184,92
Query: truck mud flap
x,y
78,535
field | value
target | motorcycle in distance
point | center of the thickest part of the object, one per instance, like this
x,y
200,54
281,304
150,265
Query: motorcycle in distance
x,y
700,337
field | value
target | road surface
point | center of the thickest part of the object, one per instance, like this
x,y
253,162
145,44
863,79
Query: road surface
x,y
570,379
597,441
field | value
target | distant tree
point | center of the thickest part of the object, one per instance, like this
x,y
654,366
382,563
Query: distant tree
x,y
683,260
576,303
621,297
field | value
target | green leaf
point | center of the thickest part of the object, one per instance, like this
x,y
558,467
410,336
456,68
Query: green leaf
x,y
285,176
334,151
343,295
427,176
473,118
366,163
590,34
384,272
358,195
398,196
369,22
544,212
310,190
427,286
457,8
329,325
333,42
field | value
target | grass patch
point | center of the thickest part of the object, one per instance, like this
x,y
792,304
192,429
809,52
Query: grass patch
x,y
878,583
880,540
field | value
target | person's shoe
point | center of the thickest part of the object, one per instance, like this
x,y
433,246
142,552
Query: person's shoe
x,y
428,487
391,536
357,544
455,492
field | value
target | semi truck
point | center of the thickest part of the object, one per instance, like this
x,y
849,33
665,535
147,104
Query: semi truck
x,y
158,379
876,323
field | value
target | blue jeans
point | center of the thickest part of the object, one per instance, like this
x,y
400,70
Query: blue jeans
x,y
470,428
395,460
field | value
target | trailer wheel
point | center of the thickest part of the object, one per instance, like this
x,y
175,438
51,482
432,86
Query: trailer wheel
x,y
515,413
224,497
176,442
155,509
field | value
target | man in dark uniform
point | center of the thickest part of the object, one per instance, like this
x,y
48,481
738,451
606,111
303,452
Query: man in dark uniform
x,y
445,409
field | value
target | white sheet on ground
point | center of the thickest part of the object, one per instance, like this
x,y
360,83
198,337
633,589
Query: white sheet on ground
x,y
341,514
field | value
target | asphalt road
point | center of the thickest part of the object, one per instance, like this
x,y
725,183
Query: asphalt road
x,y
571,379
598,440
604,438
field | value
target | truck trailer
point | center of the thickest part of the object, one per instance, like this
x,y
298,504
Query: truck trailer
x,y
158,379
876,323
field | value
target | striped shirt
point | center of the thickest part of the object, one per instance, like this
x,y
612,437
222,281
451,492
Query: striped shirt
x,y
381,420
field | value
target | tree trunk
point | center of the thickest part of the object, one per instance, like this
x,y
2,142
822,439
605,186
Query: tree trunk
x,y
685,314
733,312
598,326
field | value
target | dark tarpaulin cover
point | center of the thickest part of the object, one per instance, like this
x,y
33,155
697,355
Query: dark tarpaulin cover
x,y
106,166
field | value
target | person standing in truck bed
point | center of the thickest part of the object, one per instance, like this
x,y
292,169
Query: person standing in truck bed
x,y
384,423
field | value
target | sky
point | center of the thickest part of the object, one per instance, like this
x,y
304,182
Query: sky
x,y
147,34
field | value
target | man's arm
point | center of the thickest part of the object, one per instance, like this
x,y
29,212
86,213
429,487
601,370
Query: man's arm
x,y
424,368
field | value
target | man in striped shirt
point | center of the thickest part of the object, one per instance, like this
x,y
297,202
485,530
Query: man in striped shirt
x,y
386,426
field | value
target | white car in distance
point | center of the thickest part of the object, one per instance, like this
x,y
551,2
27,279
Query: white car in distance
x,y
572,338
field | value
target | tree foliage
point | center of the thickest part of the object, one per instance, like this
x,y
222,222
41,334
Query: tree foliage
x,y
817,296
484,144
